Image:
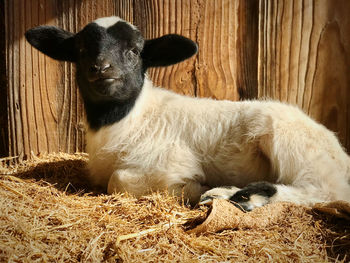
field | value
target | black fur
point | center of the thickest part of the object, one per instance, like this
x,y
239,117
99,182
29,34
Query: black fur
x,y
242,197
52,41
119,46
260,188
110,63
167,50
99,115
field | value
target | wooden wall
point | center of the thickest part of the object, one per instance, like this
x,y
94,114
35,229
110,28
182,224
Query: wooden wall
x,y
297,51
304,58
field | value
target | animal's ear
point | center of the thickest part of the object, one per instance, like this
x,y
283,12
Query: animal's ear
x,y
53,41
167,50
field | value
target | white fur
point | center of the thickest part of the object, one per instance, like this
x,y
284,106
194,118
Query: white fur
x,y
218,193
190,145
107,22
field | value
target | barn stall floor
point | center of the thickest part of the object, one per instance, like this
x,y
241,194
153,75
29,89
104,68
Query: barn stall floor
x,y
49,213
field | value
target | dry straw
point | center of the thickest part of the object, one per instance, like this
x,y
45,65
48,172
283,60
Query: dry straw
x,y
49,213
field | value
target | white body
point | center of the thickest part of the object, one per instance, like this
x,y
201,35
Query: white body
x,y
190,145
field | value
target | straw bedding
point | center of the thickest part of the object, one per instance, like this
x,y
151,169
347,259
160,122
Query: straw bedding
x,y
49,213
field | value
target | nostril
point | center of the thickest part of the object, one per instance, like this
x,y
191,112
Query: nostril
x,y
95,68
105,67
101,69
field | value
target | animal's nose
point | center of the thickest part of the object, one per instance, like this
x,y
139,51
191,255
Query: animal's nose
x,y
101,67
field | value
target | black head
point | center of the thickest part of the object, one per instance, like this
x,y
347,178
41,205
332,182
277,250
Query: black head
x,y
111,58
111,55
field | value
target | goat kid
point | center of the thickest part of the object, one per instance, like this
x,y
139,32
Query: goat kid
x,y
141,138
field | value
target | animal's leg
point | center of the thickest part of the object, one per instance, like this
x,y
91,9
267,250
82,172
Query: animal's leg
x,y
133,182
261,193
191,191
138,184
223,192
252,196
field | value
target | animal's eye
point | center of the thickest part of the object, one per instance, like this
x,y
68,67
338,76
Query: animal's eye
x,y
132,56
134,51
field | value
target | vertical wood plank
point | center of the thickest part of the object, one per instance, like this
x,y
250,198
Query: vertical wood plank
x,y
156,18
13,102
247,49
217,35
4,135
70,133
31,109
304,58
40,82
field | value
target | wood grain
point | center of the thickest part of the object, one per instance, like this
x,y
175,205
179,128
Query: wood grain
x,y
247,49
156,18
217,34
304,58
4,147
214,27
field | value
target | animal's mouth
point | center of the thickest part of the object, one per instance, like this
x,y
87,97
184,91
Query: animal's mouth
x,y
107,86
108,80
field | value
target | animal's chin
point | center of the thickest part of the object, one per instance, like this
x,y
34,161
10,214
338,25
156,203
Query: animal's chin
x,y
107,87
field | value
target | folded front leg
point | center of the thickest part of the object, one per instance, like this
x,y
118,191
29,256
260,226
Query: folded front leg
x,y
134,182
191,191
138,184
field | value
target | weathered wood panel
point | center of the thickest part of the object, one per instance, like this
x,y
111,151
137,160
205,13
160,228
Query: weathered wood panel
x,y
4,147
32,120
217,34
226,33
247,49
304,58
155,18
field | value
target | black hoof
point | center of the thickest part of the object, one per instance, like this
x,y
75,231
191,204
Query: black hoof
x,y
253,195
